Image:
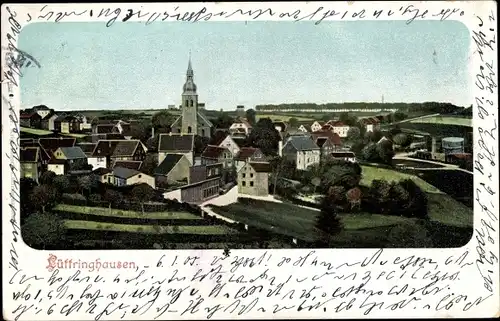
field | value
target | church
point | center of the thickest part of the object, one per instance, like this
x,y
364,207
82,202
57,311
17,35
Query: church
x,y
192,121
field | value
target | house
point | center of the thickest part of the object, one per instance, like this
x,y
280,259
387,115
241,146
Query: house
x,y
370,124
42,110
47,122
248,154
216,154
108,151
303,128
85,125
102,128
339,128
327,141
69,124
104,175
31,165
346,156
30,119
58,122
52,144
173,168
125,176
317,125
58,166
43,155
229,143
74,157
204,184
95,138
280,126
241,125
302,151
128,164
253,179
87,148
176,144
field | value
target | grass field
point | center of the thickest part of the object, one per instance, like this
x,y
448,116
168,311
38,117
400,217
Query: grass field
x,y
150,229
278,117
102,211
441,206
74,135
34,131
458,121
371,173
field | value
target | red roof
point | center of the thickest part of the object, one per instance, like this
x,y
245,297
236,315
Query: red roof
x,y
246,152
28,115
213,152
336,123
333,137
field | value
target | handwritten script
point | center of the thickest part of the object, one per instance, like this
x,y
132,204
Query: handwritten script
x,y
214,286
317,14
483,37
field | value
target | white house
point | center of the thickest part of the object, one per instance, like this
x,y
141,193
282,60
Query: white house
x,y
371,124
303,128
347,156
230,144
316,126
339,128
241,124
97,161
302,150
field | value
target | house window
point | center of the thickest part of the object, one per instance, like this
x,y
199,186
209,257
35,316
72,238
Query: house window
x,y
139,175
251,183
243,175
243,183
189,129
251,174
202,131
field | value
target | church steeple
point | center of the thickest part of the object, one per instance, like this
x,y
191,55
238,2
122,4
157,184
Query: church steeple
x,y
189,85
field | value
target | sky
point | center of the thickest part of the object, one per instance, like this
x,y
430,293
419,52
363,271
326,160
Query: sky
x,y
136,66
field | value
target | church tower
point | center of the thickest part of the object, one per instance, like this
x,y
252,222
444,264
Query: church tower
x,y
189,103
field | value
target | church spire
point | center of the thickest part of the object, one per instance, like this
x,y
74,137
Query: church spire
x,y
189,72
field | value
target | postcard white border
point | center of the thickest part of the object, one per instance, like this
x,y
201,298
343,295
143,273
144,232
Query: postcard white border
x,y
461,296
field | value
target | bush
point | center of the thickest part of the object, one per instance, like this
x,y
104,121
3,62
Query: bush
x,y
95,198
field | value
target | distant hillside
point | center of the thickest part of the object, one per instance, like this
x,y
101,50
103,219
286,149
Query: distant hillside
x,y
432,107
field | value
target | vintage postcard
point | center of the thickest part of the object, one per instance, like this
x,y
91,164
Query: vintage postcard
x,y
250,161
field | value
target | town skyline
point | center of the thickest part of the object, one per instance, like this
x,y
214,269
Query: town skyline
x,y
225,59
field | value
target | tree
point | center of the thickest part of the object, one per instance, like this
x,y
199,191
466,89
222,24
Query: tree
x,y
217,137
380,193
143,193
337,195
354,197
42,229
200,143
149,164
353,134
251,116
43,196
316,181
114,198
373,136
140,130
26,186
399,116
385,151
47,177
162,121
223,120
344,117
265,137
61,183
293,122
327,222
84,183
403,140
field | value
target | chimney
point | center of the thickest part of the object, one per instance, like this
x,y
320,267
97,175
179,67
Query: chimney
x,y
280,148
152,132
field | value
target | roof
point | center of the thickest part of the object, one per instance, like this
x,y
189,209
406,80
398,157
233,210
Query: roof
x,y
51,144
101,171
261,167
168,164
244,121
41,107
302,143
116,148
29,115
50,115
128,164
245,152
104,128
176,142
73,152
343,154
333,137
29,155
205,119
212,151
57,161
125,173
87,148
336,123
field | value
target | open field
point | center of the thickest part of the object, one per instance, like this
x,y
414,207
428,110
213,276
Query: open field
x,y
34,131
371,173
149,229
74,135
278,117
102,211
445,120
441,207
